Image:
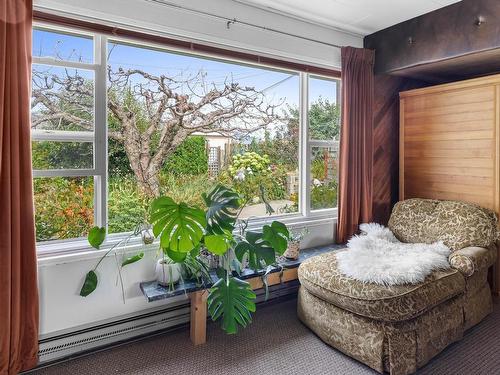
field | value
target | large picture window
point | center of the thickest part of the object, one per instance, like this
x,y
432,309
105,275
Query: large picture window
x,y
116,124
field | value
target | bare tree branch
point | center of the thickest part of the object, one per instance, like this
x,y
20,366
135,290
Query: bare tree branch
x,y
151,115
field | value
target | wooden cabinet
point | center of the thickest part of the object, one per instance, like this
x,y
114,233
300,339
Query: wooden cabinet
x,y
450,143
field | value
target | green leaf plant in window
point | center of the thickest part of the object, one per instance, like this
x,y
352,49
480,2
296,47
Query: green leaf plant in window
x,y
183,230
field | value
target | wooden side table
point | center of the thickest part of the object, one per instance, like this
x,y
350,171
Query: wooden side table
x,y
285,272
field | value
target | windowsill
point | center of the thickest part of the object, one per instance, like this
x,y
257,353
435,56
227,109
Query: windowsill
x,y
68,251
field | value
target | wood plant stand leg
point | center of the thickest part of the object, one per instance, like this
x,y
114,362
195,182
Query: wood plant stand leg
x,y
198,328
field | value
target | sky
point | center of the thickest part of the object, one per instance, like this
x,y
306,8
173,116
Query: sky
x,y
278,86
70,47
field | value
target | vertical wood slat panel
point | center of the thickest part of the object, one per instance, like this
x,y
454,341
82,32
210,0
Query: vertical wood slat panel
x,y
442,161
436,149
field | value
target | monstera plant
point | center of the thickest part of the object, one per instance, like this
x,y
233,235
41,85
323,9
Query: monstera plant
x,y
184,230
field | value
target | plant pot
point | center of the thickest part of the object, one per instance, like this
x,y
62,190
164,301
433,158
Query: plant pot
x,y
167,273
293,250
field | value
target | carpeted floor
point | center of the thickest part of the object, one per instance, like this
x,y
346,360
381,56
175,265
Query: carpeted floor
x,y
276,343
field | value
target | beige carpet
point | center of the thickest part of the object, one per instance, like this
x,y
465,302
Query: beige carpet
x,y
276,343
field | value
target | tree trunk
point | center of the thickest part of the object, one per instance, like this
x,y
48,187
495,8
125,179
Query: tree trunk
x,y
138,149
149,184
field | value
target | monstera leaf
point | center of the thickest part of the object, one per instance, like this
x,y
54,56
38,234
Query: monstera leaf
x,y
277,236
218,244
176,256
222,204
260,253
233,300
179,226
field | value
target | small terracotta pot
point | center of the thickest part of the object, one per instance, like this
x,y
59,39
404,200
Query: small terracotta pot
x,y
167,273
293,250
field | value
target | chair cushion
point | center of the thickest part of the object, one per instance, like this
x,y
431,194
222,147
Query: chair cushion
x,y
320,276
457,224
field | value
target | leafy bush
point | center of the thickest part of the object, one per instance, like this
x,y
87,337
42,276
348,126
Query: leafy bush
x,y
127,206
69,155
324,196
64,207
186,188
249,163
249,171
190,158
118,159
318,169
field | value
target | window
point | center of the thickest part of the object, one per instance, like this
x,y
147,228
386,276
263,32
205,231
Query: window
x,y
116,123
199,121
324,131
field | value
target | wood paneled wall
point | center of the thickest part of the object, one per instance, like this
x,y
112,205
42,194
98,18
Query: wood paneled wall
x,y
449,142
386,142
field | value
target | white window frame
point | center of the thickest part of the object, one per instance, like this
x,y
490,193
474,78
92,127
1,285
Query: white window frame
x,y
316,143
99,138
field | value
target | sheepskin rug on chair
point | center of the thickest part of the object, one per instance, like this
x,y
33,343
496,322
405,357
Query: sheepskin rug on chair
x,y
376,256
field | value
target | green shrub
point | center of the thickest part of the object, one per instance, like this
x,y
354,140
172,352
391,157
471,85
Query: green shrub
x,y
318,169
127,206
249,171
118,159
185,188
64,207
190,158
324,196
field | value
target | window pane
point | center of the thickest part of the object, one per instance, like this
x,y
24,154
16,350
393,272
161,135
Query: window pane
x,y
63,207
63,46
62,155
236,120
62,99
324,111
324,180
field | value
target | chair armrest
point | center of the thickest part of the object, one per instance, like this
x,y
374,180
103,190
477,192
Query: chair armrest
x,y
471,259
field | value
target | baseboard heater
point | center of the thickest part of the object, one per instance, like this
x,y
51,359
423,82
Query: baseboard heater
x,y
76,343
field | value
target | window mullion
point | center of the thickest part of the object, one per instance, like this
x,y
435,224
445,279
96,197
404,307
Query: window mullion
x,y
101,133
61,135
63,63
305,154
63,172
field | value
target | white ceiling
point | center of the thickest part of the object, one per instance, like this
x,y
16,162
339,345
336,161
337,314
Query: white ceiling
x,y
358,16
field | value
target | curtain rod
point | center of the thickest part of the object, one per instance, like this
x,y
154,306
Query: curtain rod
x,y
233,21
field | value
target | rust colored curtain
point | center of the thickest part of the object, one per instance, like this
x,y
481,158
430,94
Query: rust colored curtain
x,y
356,157
18,266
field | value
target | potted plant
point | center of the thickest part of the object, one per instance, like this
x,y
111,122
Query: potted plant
x,y
184,230
168,272
293,250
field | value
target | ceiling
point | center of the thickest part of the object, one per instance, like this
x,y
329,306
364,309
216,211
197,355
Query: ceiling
x,y
362,17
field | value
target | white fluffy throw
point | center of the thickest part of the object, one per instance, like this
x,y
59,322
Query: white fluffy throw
x,y
378,257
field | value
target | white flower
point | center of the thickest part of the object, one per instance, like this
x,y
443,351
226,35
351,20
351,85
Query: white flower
x,y
240,175
317,182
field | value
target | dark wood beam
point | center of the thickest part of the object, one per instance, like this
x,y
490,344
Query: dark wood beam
x,y
458,41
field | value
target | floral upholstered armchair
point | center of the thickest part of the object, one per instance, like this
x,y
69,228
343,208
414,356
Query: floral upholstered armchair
x,y
399,328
